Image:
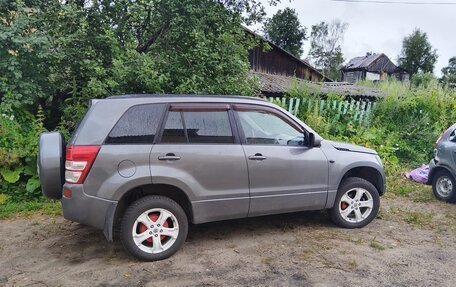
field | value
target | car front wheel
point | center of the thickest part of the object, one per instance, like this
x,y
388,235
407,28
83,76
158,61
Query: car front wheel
x,y
153,228
357,203
444,186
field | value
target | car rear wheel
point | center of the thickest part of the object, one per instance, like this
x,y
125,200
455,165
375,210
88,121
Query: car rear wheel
x,y
153,228
357,203
444,186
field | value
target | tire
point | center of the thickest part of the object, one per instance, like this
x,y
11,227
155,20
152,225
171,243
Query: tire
x,y
444,186
164,240
51,164
356,205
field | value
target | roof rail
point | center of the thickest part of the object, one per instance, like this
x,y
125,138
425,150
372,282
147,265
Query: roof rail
x,y
130,96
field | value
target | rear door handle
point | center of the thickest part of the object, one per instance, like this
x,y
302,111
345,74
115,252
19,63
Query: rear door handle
x,y
257,156
169,156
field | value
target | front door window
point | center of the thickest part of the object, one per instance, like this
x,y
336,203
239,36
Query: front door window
x,y
264,128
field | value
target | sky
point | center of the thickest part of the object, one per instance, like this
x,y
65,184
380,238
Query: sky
x,y
380,28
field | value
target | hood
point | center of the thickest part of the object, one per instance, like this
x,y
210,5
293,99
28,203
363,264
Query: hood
x,y
351,147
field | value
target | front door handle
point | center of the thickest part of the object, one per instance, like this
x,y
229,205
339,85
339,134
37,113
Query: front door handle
x,y
257,156
169,156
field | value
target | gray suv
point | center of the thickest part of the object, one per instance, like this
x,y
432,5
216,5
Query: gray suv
x,y
148,165
442,168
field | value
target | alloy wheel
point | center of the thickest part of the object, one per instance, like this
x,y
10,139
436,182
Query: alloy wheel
x,y
356,205
155,230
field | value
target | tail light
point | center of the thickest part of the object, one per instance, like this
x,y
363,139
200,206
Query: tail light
x,y
79,160
440,137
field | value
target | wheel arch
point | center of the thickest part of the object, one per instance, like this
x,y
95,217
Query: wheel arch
x,y
369,173
167,190
433,171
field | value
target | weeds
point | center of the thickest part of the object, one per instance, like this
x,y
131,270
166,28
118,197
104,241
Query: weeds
x,y
402,126
418,218
231,245
26,208
353,264
376,245
266,261
398,185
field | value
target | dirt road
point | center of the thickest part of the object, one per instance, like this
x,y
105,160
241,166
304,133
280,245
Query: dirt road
x,y
411,244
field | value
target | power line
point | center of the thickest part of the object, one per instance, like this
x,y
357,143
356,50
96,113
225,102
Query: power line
x,y
395,2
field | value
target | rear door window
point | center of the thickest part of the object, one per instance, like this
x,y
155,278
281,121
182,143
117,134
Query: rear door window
x,y
138,125
208,127
174,132
198,124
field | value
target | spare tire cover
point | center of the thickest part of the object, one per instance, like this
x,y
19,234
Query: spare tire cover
x,y
51,164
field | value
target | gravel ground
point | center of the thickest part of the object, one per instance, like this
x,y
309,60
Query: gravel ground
x,y
410,244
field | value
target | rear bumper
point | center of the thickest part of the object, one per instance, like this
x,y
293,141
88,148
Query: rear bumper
x,y
89,210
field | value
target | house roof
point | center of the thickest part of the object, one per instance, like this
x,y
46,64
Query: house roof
x,y
275,84
376,63
303,62
362,62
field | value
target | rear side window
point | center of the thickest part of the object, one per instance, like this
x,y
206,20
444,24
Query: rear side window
x,y
198,126
138,125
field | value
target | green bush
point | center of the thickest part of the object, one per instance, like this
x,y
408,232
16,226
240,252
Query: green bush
x,y
402,126
18,154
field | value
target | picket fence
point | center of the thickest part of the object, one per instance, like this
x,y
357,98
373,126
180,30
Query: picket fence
x,y
359,110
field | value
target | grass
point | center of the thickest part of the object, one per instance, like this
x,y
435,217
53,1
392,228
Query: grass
x,y
376,245
418,218
353,264
9,209
398,185
231,245
266,260
412,217
450,220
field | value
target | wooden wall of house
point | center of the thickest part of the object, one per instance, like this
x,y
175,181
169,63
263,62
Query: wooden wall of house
x,y
353,76
382,64
278,62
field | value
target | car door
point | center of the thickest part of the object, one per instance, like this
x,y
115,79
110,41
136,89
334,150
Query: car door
x,y
199,152
284,174
452,147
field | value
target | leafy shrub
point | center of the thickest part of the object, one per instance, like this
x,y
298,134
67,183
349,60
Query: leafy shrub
x,y
425,80
18,154
402,126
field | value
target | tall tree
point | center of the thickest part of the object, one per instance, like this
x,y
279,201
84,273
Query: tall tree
x,y
449,72
24,54
325,47
285,30
417,54
61,53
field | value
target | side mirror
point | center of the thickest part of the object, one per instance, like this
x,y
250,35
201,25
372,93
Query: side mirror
x,y
310,140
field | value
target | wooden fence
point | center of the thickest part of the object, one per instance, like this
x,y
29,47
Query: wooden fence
x,y
358,110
